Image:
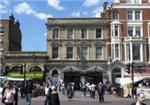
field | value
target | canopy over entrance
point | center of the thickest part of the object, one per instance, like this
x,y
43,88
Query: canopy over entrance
x,y
95,69
71,69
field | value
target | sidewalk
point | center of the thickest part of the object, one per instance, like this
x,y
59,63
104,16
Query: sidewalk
x,y
79,96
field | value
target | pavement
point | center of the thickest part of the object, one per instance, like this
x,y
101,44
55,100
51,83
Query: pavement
x,y
79,99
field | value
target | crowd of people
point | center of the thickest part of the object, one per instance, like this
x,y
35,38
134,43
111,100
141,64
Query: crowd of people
x,y
50,91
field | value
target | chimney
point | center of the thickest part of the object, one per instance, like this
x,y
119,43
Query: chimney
x,y
105,6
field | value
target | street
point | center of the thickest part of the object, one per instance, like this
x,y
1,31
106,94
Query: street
x,y
81,100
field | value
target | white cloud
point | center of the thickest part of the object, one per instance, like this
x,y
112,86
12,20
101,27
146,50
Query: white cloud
x,y
6,2
2,9
42,16
55,4
97,11
25,8
75,14
89,3
45,34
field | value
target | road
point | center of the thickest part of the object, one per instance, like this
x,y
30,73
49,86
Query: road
x,y
81,100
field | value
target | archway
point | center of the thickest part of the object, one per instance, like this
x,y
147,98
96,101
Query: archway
x,y
55,77
116,73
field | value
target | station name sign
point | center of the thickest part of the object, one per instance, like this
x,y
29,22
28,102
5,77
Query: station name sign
x,y
145,71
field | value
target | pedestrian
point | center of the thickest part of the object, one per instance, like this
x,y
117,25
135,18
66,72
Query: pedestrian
x,y
69,91
16,94
101,90
47,90
28,92
9,94
140,99
92,90
54,97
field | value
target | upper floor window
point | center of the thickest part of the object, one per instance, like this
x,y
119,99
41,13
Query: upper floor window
x,y
69,52
99,53
134,30
133,1
134,15
70,33
84,33
130,15
136,51
55,52
98,33
84,53
55,33
115,15
137,15
115,51
115,30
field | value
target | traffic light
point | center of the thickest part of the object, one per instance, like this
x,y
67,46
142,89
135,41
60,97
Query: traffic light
x,y
128,68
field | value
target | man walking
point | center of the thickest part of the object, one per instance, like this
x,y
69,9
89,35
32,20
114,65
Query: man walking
x,y
140,99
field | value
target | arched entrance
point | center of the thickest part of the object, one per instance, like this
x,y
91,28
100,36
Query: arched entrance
x,y
116,73
55,77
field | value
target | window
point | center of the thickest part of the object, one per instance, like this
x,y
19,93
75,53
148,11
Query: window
x,y
99,53
115,15
134,31
116,30
69,52
70,33
133,1
128,52
138,31
84,33
136,51
137,15
149,30
55,52
130,31
55,33
130,15
115,51
134,15
84,53
98,33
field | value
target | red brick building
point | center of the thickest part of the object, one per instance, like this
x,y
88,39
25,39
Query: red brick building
x,y
129,38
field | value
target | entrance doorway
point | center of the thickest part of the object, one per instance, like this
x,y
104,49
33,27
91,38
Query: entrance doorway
x,y
116,73
72,77
55,77
94,77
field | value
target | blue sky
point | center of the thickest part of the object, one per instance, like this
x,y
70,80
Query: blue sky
x,y
32,16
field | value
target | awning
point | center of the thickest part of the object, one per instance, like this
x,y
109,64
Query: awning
x,y
95,69
71,69
125,81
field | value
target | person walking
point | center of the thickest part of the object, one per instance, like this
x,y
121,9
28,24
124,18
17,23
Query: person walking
x,y
47,90
101,91
140,99
54,97
28,92
9,94
69,91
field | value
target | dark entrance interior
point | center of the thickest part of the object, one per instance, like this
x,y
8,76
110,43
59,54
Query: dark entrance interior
x,y
72,77
94,77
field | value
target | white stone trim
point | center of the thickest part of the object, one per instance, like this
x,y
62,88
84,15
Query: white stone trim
x,y
132,6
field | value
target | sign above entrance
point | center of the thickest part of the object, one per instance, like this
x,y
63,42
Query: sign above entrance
x,y
142,71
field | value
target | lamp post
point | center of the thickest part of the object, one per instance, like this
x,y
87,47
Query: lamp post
x,y
132,77
24,74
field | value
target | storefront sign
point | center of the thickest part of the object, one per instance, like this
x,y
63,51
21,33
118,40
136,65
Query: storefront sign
x,y
145,71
